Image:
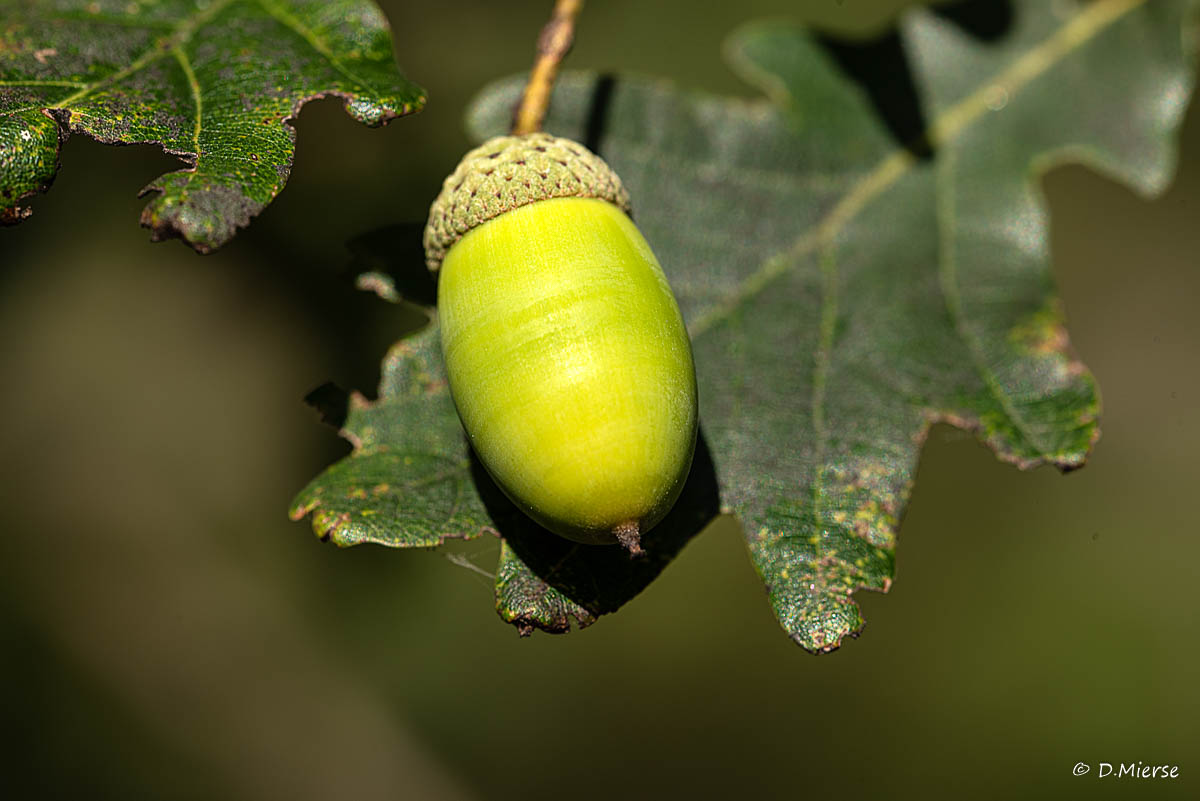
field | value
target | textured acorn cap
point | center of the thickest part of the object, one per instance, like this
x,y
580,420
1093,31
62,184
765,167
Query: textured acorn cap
x,y
511,171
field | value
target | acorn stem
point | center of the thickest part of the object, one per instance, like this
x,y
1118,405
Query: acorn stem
x,y
553,45
629,534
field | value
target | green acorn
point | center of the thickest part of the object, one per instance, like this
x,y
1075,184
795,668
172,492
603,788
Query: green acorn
x,y
567,356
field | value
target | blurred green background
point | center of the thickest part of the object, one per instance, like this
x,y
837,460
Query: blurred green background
x,y
168,633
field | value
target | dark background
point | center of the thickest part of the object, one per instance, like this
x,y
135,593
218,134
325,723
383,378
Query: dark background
x,y
167,633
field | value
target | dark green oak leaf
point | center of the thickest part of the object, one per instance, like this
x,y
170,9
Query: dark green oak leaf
x,y
408,482
844,292
215,82
850,277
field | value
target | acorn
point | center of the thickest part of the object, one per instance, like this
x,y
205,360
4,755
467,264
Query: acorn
x,y
567,357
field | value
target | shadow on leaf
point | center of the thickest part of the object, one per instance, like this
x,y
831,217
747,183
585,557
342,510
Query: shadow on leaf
x,y
881,67
601,578
599,108
986,20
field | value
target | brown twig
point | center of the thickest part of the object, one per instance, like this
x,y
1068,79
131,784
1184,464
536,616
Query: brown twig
x,y
553,45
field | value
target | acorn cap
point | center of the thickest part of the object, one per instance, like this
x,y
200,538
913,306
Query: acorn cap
x,y
510,171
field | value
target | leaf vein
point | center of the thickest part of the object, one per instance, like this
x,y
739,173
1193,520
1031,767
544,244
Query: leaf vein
x,y
64,84
194,85
948,278
821,359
